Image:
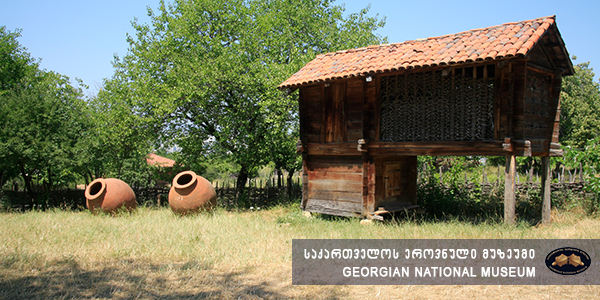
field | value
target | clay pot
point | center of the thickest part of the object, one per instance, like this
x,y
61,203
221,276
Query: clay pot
x,y
191,193
110,194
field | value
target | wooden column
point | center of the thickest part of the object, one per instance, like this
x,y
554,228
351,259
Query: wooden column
x,y
510,189
368,191
304,181
546,192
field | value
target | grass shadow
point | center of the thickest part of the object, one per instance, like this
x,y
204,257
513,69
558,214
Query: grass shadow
x,y
128,279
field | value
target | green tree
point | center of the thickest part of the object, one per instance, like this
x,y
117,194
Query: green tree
x,y
15,65
120,139
42,116
42,128
207,71
580,107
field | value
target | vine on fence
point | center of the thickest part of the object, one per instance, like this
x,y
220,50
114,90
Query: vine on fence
x,y
589,159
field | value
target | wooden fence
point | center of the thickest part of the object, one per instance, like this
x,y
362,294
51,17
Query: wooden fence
x,y
266,192
71,199
259,193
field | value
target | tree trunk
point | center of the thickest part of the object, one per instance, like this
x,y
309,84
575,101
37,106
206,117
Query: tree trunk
x,y
88,177
279,174
98,174
241,182
289,182
49,181
1,179
27,180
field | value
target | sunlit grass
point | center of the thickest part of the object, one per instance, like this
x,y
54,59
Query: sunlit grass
x,y
153,253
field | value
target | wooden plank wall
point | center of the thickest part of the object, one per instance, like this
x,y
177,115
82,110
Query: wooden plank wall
x,y
539,117
503,104
519,73
354,111
311,113
335,185
333,113
555,103
396,179
335,116
370,116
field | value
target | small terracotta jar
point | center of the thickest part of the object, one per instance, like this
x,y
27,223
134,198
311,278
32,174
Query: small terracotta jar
x,y
109,194
190,193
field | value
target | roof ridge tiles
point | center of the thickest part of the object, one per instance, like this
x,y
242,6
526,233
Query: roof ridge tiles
x,y
482,44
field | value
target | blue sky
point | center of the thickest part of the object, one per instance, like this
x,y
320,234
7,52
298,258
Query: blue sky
x,y
79,38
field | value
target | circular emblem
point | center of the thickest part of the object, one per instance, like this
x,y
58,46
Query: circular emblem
x,y
568,261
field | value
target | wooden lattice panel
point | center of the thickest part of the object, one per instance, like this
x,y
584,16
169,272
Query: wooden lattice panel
x,y
435,106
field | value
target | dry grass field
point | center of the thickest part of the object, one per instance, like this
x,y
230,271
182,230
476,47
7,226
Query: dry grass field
x,y
153,254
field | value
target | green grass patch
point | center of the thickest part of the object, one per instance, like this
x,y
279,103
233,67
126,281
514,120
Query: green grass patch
x,y
153,253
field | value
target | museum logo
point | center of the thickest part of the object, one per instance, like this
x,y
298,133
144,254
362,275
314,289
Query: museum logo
x,y
568,261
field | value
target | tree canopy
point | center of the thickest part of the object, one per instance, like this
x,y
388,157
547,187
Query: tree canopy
x,y
42,117
580,107
204,73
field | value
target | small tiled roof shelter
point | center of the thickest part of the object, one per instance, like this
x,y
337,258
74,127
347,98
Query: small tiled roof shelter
x,y
367,113
159,161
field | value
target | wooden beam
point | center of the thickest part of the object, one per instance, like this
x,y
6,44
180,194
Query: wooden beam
x,y
300,147
539,69
556,86
362,146
507,145
546,192
556,150
509,190
482,148
488,148
479,148
335,149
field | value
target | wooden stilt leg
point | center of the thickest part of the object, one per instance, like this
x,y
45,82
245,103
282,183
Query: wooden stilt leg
x,y
546,192
509,190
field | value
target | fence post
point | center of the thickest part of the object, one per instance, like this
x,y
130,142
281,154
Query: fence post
x,y
570,176
483,175
498,178
530,173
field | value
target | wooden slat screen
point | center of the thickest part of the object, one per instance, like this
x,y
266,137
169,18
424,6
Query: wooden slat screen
x,y
435,106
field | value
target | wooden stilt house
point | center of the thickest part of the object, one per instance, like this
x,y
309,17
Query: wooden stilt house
x,y
367,113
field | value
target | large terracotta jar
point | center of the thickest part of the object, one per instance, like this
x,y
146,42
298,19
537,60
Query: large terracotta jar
x,y
191,193
109,194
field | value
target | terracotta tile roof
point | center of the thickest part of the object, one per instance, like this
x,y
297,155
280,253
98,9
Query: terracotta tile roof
x,y
491,43
159,161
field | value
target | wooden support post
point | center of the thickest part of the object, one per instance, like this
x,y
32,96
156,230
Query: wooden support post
x,y
304,181
368,184
546,192
509,189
